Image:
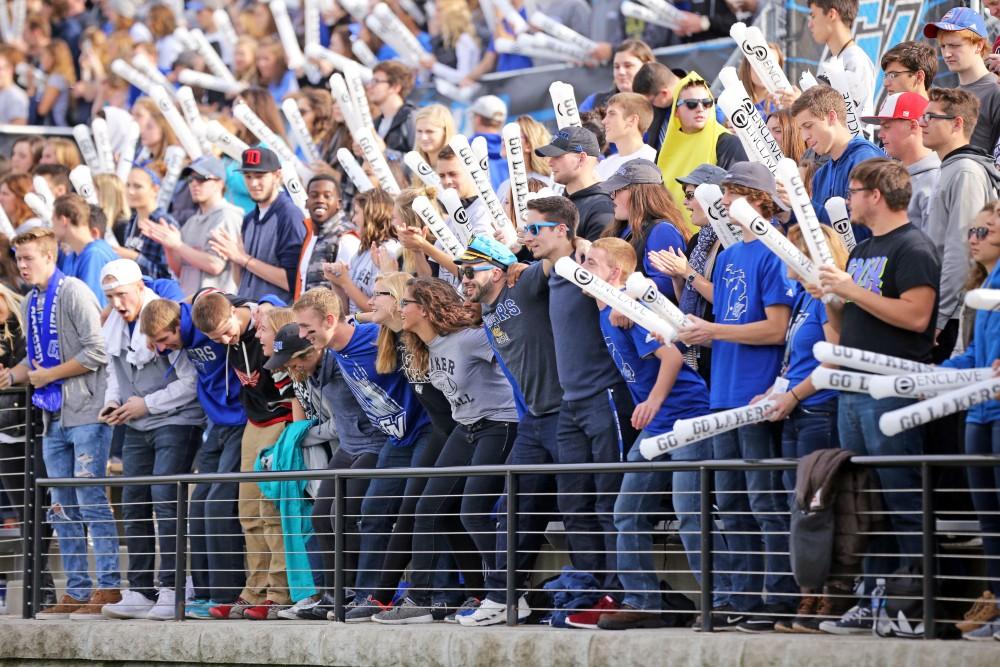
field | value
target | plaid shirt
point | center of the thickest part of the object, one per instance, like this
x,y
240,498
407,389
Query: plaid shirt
x,y
152,258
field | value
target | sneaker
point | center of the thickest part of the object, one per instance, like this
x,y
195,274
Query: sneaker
x,y
723,618
62,609
362,610
491,612
133,604
984,632
92,609
234,610
165,607
305,604
470,605
629,618
588,619
404,614
198,610
983,611
856,621
268,610
318,611
764,621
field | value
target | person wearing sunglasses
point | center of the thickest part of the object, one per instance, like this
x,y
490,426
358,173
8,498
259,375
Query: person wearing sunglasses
x,y
969,180
694,137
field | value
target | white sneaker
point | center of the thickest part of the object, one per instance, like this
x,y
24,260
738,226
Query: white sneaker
x,y
133,605
292,613
163,610
493,613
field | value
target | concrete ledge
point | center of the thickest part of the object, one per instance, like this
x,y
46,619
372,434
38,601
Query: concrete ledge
x,y
306,643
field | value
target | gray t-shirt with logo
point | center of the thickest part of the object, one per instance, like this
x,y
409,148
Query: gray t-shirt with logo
x,y
463,367
195,233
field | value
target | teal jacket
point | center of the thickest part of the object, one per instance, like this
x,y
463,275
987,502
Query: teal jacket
x,y
289,496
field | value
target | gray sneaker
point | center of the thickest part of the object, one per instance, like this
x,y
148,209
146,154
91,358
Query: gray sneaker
x,y
405,614
470,605
984,632
360,611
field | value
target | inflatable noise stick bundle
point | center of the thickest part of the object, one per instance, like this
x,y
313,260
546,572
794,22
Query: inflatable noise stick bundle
x,y
747,122
562,33
564,103
870,362
517,167
460,144
938,407
741,211
657,12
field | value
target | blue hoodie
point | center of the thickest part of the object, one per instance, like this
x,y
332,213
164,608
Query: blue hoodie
x,y
833,180
499,172
209,359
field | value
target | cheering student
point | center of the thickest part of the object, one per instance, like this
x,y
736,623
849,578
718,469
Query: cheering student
x,y
388,89
629,57
888,301
187,249
336,239
909,67
964,41
215,533
656,82
751,304
453,175
821,117
625,122
268,256
573,155
448,342
88,251
434,126
154,398
969,180
65,365
902,139
489,114
664,389
421,255
230,321
390,405
694,136
141,192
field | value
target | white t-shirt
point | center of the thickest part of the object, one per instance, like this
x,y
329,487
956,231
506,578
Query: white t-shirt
x,y
607,167
855,60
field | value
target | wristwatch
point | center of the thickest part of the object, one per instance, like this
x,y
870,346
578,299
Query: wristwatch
x,y
690,278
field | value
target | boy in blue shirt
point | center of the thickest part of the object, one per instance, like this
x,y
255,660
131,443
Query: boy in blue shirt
x,y
752,299
664,389
73,223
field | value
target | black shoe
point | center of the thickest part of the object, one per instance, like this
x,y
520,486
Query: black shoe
x,y
765,620
723,618
318,612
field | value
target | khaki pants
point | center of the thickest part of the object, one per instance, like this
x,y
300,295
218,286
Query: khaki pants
x,y
261,523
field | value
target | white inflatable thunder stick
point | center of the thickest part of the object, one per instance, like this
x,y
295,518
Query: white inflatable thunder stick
x,y
870,362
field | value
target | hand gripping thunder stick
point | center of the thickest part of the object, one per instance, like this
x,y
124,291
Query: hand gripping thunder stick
x,y
709,196
460,145
836,209
429,215
644,290
700,428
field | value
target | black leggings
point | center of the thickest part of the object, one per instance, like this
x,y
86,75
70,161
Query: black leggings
x,y
323,515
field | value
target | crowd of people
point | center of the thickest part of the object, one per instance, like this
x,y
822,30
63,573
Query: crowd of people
x,y
213,325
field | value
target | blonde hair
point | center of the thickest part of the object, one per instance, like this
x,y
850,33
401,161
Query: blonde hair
x,y
621,254
147,105
43,236
537,135
404,208
67,154
322,300
439,115
386,359
455,20
277,318
111,198
159,315
62,60
13,301
837,247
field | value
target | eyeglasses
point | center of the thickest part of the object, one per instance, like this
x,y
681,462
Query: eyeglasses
x,y
469,272
375,82
892,76
374,294
403,303
978,233
535,227
693,104
854,191
927,117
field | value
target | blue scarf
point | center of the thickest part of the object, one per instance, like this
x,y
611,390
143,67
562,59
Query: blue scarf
x,y
691,301
43,341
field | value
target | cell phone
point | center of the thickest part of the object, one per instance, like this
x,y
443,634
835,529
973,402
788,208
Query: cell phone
x,y
107,412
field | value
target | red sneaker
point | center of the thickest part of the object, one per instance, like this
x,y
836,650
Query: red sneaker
x,y
268,611
588,619
234,610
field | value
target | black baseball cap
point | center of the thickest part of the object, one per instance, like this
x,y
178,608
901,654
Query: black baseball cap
x,y
634,172
287,345
259,160
571,140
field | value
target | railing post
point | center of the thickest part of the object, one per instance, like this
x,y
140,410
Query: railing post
x,y
929,547
36,544
512,602
707,566
339,508
180,552
30,558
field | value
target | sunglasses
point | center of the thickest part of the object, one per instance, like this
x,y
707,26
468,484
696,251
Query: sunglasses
x,y
198,178
978,233
535,227
469,272
693,104
381,293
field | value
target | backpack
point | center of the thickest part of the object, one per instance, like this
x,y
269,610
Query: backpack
x,y
899,612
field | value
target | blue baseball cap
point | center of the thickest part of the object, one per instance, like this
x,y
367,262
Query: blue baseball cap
x,y
485,249
957,18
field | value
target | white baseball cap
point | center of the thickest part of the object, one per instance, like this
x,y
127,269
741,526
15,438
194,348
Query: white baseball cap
x,y
124,272
491,107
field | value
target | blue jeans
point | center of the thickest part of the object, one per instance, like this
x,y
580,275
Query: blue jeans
x,y
82,451
216,536
640,500
591,431
857,422
165,450
754,509
535,444
984,481
380,508
806,430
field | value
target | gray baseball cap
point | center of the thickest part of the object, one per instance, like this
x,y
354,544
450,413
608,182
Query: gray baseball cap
x,y
634,172
207,166
571,139
754,175
703,173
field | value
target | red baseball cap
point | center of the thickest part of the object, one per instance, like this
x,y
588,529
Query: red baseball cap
x,y
899,106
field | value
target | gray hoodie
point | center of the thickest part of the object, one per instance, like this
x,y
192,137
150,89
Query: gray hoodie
x,y
969,179
924,175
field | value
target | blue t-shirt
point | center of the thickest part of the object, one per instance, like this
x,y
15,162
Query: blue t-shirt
x,y
747,278
633,350
88,264
662,235
804,331
833,180
386,398
510,61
